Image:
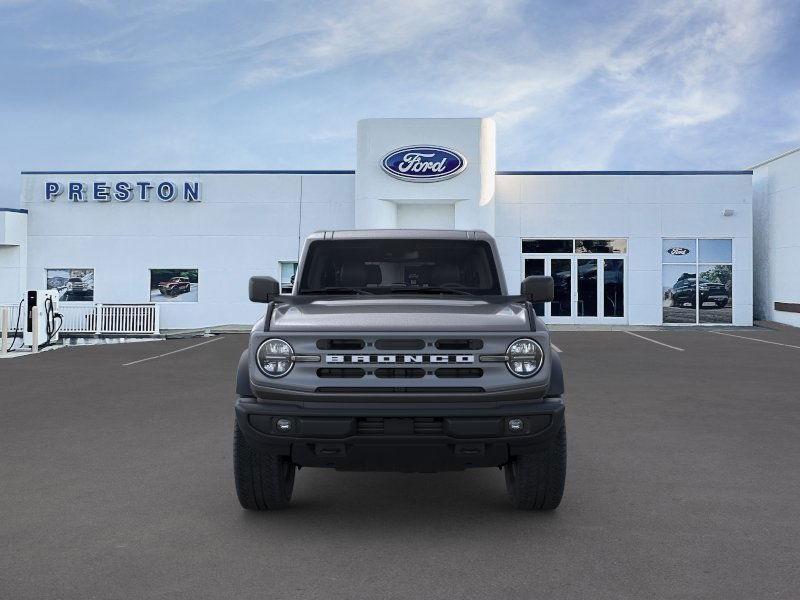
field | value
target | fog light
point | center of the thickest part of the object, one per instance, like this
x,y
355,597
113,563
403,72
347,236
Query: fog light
x,y
283,424
515,424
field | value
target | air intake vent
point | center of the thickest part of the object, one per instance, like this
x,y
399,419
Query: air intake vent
x,y
459,344
427,426
399,372
340,344
370,426
400,344
340,373
417,426
455,373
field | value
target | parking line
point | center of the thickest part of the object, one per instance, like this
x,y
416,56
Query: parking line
x,y
141,360
556,348
654,341
756,340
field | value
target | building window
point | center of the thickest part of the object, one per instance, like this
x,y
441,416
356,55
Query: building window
x,y
547,246
615,246
288,271
73,285
586,287
690,299
174,285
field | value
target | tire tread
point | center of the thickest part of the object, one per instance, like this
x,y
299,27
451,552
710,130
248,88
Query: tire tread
x,y
260,480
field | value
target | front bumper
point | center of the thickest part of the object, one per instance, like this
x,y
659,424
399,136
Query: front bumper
x,y
407,437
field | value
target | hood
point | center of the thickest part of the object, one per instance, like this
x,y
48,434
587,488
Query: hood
x,y
400,314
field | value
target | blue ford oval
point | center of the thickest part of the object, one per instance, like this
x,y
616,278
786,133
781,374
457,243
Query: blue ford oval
x,y
423,163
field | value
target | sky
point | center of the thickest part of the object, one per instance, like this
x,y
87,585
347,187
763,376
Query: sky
x,y
200,84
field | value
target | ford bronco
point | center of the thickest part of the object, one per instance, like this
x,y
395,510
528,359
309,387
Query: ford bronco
x,y
400,350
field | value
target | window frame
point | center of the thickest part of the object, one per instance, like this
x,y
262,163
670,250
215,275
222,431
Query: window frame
x,y
696,264
94,282
150,278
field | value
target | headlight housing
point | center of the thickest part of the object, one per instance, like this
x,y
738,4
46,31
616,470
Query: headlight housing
x,y
275,357
524,357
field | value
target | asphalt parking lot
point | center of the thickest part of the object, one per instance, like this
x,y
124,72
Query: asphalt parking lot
x,y
683,482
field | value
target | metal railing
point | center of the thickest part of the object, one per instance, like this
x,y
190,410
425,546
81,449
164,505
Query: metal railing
x,y
99,318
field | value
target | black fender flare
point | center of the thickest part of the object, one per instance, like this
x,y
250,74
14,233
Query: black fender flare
x,y
243,377
556,376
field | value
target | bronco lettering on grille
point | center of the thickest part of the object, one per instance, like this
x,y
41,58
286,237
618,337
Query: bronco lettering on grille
x,y
399,358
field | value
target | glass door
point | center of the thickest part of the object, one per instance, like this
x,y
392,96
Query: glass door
x,y
587,289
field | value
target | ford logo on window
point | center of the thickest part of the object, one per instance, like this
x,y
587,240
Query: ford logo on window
x,y
678,251
423,163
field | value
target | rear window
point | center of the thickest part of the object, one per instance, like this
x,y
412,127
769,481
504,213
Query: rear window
x,y
397,266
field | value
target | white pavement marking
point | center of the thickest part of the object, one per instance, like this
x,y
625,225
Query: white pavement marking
x,y
556,348
756,340
654,341
141,360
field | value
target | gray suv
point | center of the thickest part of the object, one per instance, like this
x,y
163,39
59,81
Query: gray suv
x,y
400,350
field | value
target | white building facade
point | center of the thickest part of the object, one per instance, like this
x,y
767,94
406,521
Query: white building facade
x,y
636,248
776,197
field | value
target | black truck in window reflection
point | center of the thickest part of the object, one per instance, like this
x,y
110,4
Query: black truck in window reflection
x,y
684,292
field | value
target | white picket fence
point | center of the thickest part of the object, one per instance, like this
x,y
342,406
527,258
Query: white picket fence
x,y
98,318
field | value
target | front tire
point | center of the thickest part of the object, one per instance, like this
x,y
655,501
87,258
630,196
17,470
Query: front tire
x,y
536,481
263,481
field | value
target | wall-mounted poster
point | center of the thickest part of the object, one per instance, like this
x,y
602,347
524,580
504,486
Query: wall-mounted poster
x,y
173,285
73,285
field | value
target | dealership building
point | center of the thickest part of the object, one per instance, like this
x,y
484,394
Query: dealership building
x,y
624,247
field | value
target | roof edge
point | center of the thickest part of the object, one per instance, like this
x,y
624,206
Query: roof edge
x,y
734,172
774,158
352,172
198,172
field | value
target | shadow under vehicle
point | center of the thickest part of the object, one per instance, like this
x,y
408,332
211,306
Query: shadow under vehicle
x,y
400,350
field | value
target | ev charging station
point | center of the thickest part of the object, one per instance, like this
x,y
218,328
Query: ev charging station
x,y
42,321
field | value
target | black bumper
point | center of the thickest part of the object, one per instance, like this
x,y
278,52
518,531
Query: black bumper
x,y
411,437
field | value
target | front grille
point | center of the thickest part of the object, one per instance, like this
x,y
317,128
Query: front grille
x,y
399,372
400,344
398,390
458,373
343,373
340,344
459,344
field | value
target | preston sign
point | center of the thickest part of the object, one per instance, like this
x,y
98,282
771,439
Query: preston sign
x,y
423,163
123,191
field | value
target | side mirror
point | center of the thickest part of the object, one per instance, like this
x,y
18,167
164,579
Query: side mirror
x,y
538,288
263,289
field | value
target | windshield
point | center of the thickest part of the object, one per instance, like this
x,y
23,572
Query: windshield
x,y
394,266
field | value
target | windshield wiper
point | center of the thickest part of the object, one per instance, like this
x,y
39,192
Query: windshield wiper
x,y
430,290
337,290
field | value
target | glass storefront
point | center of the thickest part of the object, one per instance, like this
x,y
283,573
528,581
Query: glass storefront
x,y
689,299
589,286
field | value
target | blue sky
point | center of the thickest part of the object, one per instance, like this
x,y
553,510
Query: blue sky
x,y
183,84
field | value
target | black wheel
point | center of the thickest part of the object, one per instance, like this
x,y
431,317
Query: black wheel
x,y
722,304
536,481
263,481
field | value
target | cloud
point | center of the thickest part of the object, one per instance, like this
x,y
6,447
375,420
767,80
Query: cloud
x,y
350,32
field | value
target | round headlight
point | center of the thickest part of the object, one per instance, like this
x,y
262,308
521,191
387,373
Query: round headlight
x,y
525,357
275,357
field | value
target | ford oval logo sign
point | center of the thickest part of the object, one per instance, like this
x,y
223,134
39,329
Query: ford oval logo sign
x,y
423,163
678,251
